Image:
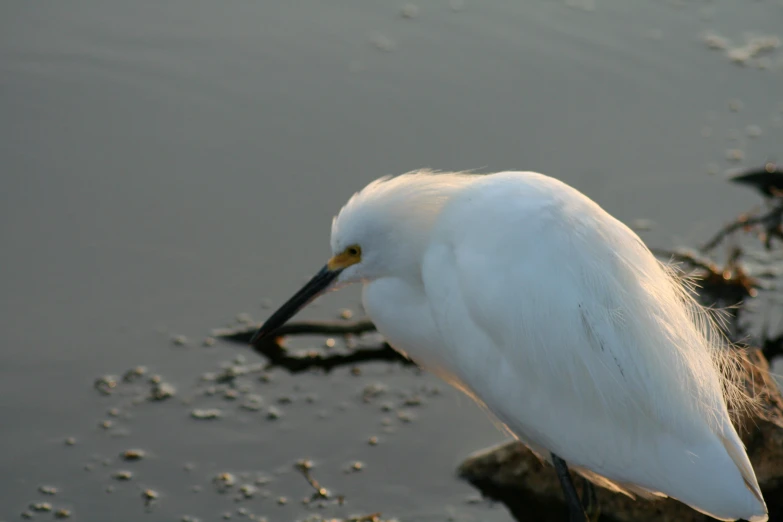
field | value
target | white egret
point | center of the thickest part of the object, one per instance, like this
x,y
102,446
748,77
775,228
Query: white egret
x,y
525,294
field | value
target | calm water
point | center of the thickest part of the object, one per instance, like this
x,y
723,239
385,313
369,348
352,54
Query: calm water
x,y
167,165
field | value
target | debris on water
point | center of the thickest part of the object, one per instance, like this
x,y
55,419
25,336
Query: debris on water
x,y
244,318
750,53
162,391
357,466
70,441
189,466
133,455
26,515
224,481
179,340
134,373
413,400
47,490
226,515
273,413
149,496
405,416
230,395
330,343
356,371
62,513
106,384
243,512
282,501
107,424
208,341
252,402
41,507
310,398
372,441
109,489
373,390
113,412
735,105
248,490
753,131
346,314
155,379
382,42
206,414
285,399
735,154
122,475
409,11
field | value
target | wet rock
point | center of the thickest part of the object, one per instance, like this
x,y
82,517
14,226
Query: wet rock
x,y
179,340
47,490
122,475
206,414
252,402
149,496
512,474
62,513
133,455
106,384
162,391
134,374
224,481
41,507
273,413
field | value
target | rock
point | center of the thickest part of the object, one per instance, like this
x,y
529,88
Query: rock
x,y
512,474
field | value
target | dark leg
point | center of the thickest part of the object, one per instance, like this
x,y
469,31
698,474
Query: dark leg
x,y
575,509
590,500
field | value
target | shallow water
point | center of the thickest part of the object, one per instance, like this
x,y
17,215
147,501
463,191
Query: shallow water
x,y
169,165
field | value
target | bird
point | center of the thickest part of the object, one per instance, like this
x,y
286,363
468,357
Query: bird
x,y
554,316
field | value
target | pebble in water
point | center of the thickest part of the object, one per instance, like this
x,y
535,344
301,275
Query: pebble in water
x,y
149,496
252,402
41,507
224,481
122,475
753,131
134,373
133,454
106,384
47,490
248,490
735,154
162,391
206,414
384,43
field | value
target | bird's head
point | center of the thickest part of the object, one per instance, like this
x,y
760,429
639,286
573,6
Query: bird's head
x,y
381,232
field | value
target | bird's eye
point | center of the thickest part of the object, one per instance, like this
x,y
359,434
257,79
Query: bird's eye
x,y
353,251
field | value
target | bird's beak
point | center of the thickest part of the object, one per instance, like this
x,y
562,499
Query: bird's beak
x,y
315,287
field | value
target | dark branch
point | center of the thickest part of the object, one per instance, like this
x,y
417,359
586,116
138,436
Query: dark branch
x,y
280,357
243,334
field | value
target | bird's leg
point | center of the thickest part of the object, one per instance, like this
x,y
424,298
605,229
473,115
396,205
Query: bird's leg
x,y
575,509
590,500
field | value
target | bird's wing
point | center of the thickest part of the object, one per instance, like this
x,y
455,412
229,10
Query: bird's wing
x,y
557,318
